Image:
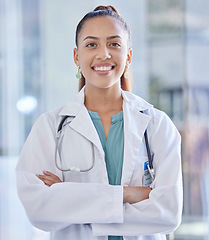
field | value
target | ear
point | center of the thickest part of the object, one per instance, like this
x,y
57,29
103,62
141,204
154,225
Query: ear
x,y
75,56
129,56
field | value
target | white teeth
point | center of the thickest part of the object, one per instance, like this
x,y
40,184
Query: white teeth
x,y
102,68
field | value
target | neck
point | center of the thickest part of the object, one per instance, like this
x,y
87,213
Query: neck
x,y
103,100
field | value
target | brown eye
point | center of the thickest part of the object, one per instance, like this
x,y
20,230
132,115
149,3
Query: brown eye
x,y
90,45
115,45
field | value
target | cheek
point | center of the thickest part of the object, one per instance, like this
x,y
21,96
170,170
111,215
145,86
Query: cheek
x,y
122,60
85,61
123,56
82,56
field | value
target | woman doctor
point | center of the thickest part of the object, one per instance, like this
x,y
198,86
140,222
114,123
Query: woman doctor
x,y
103,136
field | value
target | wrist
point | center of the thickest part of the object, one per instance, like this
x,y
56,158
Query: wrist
x,y
125,194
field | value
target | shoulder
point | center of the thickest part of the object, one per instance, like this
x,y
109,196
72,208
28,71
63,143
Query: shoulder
x,y
134,101
46,122
162,127
158,116
51,115
159,120
139,104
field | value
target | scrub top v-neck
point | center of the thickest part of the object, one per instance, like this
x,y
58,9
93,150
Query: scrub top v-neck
x,y
113,147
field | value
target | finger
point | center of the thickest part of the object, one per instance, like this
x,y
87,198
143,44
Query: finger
x,y
41,177
44,178
52,176
47,173
48,182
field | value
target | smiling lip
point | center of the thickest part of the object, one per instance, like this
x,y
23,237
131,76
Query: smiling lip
x,y
103,69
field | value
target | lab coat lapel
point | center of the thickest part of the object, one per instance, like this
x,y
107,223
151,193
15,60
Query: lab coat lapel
x,y
135,124
83,124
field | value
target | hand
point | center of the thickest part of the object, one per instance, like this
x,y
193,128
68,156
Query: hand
x,y
48,178
135,194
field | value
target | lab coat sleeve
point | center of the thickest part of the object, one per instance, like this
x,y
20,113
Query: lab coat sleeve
x,y
56,207
161,213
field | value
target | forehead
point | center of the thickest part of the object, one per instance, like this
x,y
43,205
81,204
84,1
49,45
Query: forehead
x,y
102,27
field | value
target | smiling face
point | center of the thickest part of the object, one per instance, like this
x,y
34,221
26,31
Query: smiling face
x,y
103,51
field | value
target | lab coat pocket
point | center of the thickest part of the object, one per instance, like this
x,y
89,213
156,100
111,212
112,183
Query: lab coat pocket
x,y
138,174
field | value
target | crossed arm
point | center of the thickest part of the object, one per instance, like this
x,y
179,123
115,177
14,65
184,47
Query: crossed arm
x,y
130,194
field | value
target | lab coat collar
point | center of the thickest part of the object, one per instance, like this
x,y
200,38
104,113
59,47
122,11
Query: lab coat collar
x,y
73,107
135,101
82,122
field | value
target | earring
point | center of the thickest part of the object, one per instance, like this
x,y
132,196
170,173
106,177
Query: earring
x,y
126,73
78,74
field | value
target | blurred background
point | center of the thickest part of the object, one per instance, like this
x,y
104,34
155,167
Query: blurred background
x,y
170,68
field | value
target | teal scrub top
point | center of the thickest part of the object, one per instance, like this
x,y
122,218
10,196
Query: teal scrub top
x,y
113,148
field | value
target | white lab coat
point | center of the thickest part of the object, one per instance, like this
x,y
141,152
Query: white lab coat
x,y
85,206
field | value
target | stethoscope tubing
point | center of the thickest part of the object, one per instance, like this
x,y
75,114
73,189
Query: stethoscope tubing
x,y
59,131
75,169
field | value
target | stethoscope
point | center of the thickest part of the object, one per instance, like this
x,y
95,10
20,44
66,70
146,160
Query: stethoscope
x,y
76,169
73,168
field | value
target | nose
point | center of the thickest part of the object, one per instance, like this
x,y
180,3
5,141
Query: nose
x,y
103,53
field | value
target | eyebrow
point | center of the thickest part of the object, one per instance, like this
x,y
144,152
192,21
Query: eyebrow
x,y
96,38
